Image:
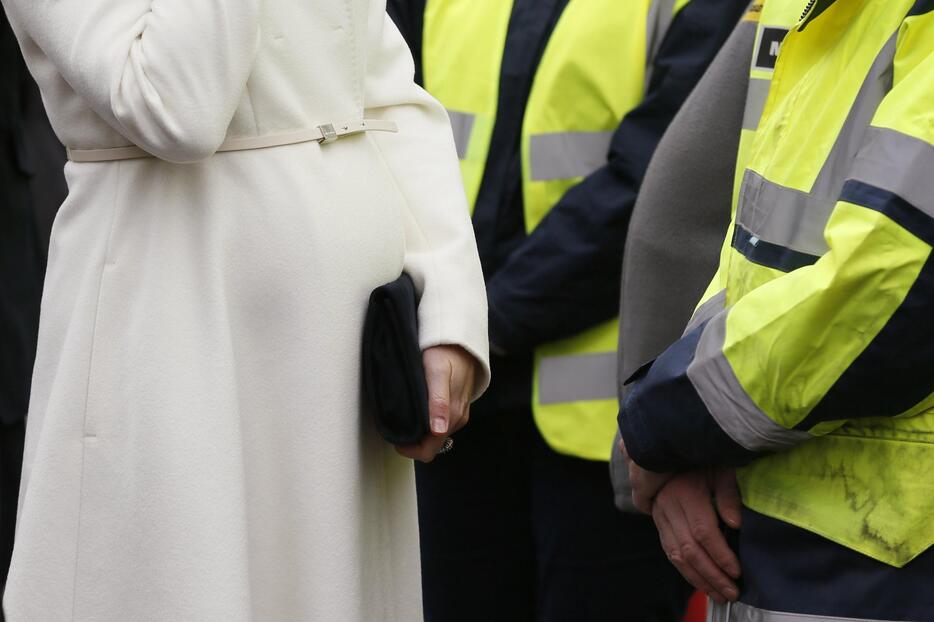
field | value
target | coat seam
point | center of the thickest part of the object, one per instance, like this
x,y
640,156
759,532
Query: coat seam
x,y
85,437
358,75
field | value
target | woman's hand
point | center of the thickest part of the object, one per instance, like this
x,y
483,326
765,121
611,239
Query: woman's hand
x,y
451,373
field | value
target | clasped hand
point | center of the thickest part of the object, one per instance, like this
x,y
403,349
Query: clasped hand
x,y
685,508
451,373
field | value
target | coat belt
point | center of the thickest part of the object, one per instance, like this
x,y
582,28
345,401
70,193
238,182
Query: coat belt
x,y
323,134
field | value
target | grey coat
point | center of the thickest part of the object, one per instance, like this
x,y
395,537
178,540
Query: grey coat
x,y
680,219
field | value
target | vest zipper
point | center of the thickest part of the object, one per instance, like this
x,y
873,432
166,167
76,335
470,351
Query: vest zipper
x,y
807,9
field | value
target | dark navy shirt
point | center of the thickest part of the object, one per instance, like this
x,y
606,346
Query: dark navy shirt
x,y
498,214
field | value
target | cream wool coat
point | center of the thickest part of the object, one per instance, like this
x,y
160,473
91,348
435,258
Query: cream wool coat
x,y
195,446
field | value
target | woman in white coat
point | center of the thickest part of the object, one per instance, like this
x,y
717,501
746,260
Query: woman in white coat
x,y
195,446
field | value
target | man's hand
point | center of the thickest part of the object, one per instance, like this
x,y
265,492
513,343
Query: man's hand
x,y
645,484
685,513
451,373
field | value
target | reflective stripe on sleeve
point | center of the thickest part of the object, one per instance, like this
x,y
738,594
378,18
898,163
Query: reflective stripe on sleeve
x,y
577,378
462,124
706,311
797,218
568,155
666,424
731,407
900,164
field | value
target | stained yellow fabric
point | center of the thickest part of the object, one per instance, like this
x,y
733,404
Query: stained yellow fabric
x,y
789,337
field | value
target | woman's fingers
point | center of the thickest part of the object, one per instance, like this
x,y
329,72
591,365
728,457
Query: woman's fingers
x,y
425,451
462,381
450,375
438,373
463,419
450,372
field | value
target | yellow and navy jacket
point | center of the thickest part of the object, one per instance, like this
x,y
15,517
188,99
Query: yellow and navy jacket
x,y
562,278
810,361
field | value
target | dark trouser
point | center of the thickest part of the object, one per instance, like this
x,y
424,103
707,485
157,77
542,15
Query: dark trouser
x,y
11,460
512,531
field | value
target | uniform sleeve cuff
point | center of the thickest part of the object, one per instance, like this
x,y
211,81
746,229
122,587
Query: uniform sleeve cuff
x,y
666,425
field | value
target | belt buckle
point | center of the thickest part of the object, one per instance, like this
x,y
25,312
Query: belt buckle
x,y
328,134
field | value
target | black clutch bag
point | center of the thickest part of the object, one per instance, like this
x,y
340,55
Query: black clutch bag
x,y
395,391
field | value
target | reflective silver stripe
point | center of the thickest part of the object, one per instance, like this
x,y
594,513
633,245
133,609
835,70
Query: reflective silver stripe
x,y
462,124
734,411
784,216
658,20
875,87
577,378
795,219
740,612
712,307
718,613
567,155
899,163
755,102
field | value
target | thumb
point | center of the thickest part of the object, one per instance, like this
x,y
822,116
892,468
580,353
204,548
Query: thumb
x,y
727,498
438,374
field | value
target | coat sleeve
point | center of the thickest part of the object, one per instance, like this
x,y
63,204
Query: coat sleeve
x,y
847,338
167,74
565,278
441,253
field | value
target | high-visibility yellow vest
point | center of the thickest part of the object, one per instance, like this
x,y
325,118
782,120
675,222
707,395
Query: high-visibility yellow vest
x,y
833,192
592,73
774,19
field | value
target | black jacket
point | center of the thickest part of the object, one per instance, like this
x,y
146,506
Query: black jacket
x,y
32,186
